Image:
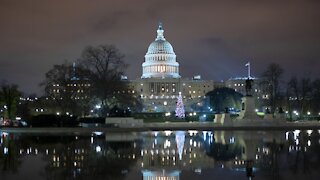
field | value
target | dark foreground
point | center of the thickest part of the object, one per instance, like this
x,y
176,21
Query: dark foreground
x,y
124,154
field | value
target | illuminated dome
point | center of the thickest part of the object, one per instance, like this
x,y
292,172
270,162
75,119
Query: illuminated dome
x,y
160,59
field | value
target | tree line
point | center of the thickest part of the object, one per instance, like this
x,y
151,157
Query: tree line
x,y
299,96
103,66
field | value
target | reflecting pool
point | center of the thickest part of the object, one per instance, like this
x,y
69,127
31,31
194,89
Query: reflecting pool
x,y
162,155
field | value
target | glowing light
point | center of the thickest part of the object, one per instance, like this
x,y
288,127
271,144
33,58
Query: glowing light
x,y
192,132
309,143
180,138
167,144
309,132
98,149
97,133
232,140
204,135
156,133
4,134
296,134
5,150
167,133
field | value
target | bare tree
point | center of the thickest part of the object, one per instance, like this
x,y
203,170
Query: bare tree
x,y
306,88
300,92
292,94
315,94
272,77
106,65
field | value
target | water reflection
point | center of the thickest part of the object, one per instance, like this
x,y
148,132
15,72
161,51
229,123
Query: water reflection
x,y
168,155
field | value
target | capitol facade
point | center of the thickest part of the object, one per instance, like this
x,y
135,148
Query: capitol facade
x,y
160,83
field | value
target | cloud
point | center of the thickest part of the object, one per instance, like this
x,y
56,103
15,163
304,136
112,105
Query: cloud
x,y
210,37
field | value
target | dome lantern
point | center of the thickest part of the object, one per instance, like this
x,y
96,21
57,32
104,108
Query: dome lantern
x,y
160,32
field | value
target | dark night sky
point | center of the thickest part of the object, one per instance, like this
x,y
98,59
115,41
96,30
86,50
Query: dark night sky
x,y
211,38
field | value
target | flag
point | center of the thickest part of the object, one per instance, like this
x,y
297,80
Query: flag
x,y
248,64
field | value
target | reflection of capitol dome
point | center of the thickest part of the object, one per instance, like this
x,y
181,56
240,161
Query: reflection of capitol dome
x,y
160,60
159,175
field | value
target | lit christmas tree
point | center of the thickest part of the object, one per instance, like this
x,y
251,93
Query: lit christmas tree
x,y
180,108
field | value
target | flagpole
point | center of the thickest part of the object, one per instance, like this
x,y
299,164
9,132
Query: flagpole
x,y
249,69
249,76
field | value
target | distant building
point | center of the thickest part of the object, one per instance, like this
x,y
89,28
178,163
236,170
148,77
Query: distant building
x,y
75,87
75,90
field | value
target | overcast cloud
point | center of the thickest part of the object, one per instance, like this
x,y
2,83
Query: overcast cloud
x,y
211,38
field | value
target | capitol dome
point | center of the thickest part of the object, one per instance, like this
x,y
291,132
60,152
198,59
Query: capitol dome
x,y
160,59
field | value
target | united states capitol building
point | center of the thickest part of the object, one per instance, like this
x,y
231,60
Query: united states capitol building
x,y
161,81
